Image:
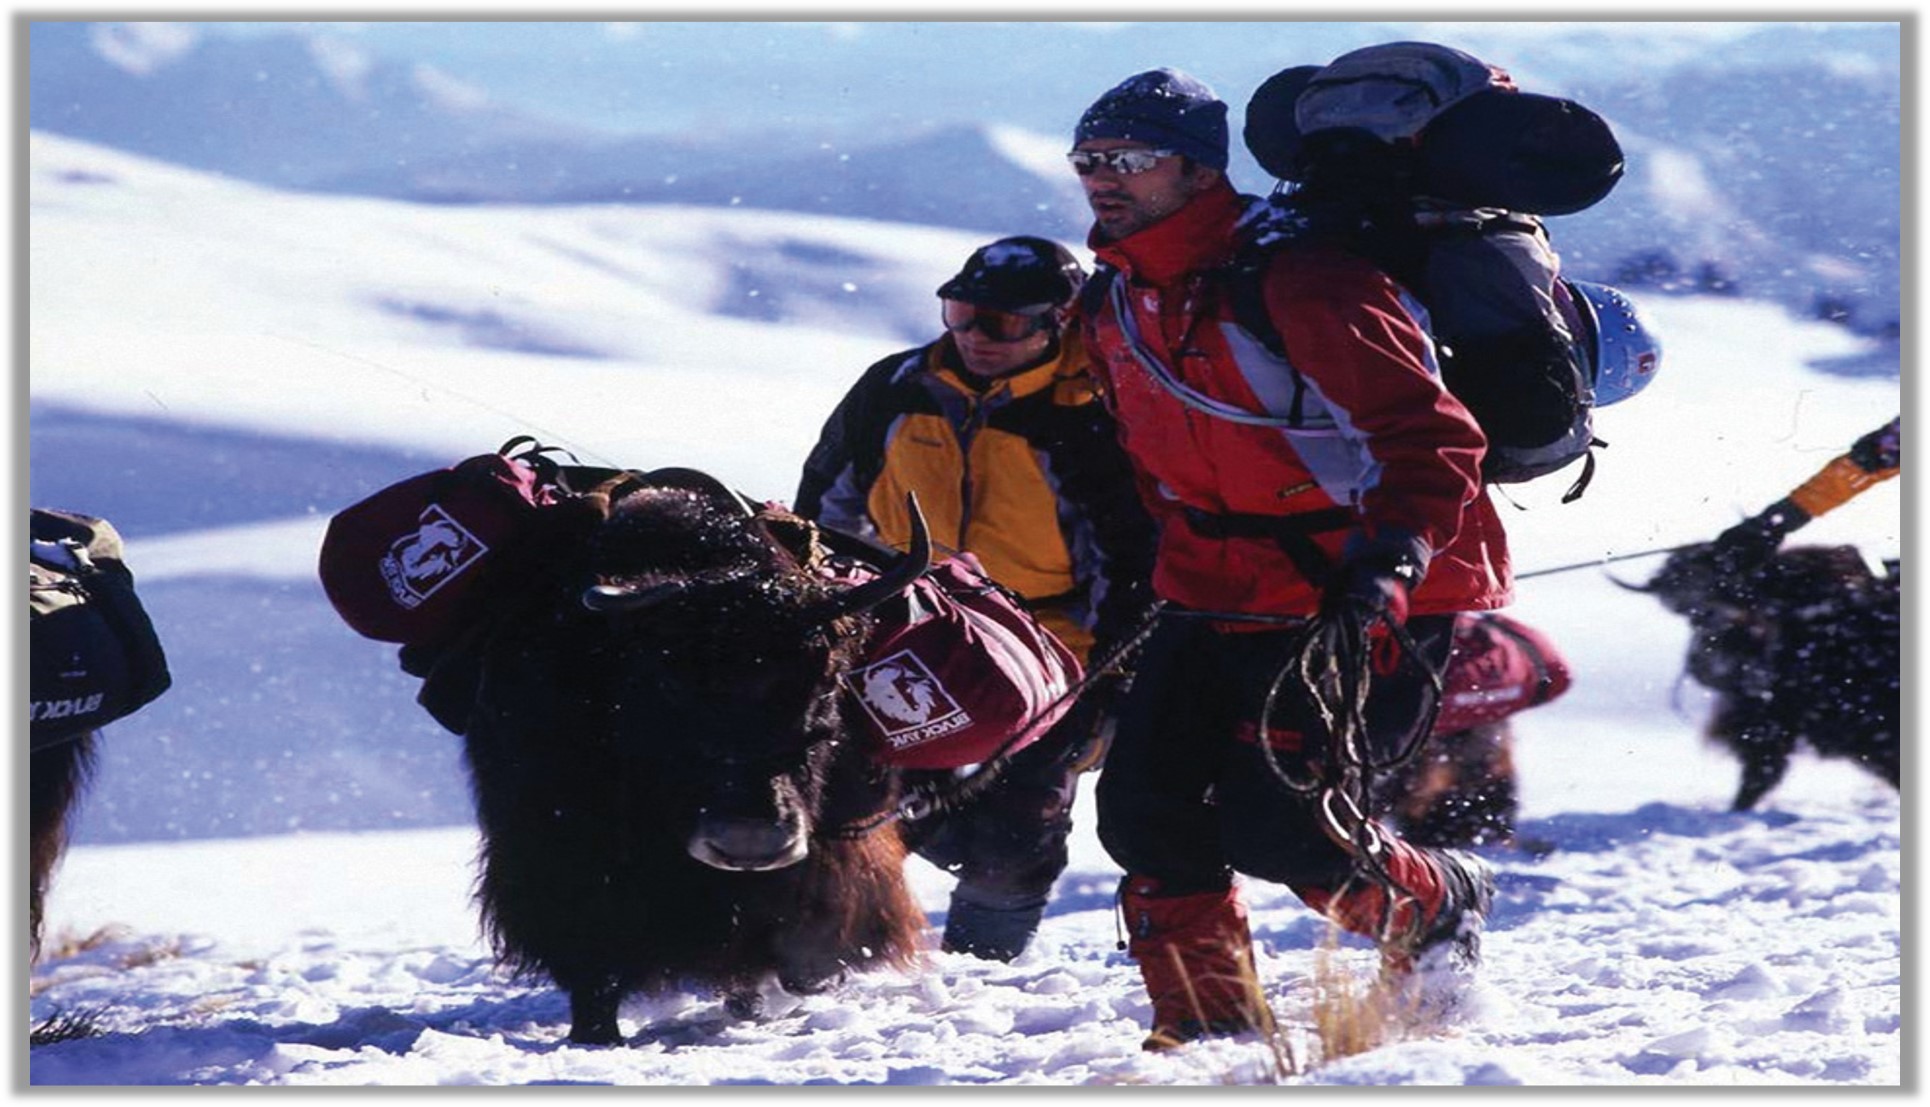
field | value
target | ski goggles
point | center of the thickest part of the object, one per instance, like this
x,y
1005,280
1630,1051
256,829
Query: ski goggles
x,y
1130,162
999,326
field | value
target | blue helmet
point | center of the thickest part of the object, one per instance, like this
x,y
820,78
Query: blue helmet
x,y
1623,353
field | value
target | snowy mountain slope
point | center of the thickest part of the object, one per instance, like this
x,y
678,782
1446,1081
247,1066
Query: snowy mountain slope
x,y
452,327
919,178
225,365
1766,156
284,109
952,177
1786,178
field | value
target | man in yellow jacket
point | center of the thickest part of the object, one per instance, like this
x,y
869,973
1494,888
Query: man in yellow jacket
x,y
996,427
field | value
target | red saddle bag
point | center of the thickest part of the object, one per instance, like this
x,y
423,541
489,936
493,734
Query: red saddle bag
x,y
1496,667
416,561
958,671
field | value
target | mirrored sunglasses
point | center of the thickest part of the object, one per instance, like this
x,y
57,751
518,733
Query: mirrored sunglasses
x,y
1129,161
999,326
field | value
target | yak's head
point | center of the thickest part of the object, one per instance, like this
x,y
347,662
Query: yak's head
x,y
724,651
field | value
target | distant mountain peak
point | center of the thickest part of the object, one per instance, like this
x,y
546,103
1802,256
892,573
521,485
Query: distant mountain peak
x,y
1041,154
346,65
142,48
446,92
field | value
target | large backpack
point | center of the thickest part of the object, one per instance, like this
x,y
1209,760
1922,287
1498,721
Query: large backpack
x,y
1429,163
1419,119
95,656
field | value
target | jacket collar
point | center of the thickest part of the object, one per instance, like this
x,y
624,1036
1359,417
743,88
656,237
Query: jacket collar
x,y
1069,361
1197,236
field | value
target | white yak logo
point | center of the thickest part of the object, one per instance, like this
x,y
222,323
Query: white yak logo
x,y
902,694
429,557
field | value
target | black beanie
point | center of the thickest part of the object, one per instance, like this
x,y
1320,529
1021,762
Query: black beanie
x,y
1166,108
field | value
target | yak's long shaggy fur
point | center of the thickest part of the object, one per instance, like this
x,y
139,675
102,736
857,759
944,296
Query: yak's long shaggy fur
x,y
57,775
601,738
1806,650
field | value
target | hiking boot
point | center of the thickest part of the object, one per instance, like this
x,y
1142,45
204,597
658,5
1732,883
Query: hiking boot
x,y
1450,941
1165,1037
1196,957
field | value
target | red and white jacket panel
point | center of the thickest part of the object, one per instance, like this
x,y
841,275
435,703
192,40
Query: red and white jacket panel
x,y
1377,433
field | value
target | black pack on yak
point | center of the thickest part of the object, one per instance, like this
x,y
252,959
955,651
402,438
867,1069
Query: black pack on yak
x,y
1432,164
95,656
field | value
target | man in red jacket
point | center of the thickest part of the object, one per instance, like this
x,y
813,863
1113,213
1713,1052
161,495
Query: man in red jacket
x,y
1341,481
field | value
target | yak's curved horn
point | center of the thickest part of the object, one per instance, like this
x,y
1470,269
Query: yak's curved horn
x,y
896,579
608,598
1645,589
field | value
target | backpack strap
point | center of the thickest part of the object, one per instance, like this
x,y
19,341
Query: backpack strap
x,y
1246,295
1244,282
1576,489
1092,294
1185,394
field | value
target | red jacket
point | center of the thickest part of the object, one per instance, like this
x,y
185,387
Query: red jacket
x,y
1380,436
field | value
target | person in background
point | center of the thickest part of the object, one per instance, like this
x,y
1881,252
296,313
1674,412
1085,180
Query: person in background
x,y
1341,484
995,426
1874,458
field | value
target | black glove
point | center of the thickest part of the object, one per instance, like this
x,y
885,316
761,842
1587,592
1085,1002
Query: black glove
x,y
1880,449
1373,585
1748,546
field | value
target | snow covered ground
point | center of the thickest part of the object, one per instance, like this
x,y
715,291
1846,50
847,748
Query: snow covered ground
x,y
1663,944
278,848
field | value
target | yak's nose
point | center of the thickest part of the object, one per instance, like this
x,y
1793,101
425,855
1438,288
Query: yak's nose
x,y
739,844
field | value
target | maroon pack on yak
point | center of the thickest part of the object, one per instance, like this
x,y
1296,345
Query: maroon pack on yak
x,y
1496,667
95,656
413,563
956,671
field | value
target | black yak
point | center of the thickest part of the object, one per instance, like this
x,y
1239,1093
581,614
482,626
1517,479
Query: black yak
x,y
1803,650
667,784
56,775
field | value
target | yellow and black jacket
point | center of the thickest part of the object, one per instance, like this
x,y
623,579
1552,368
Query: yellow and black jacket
x,y
1024,472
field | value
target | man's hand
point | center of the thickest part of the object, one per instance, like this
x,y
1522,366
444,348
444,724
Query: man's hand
x,y
1748,546
1372,586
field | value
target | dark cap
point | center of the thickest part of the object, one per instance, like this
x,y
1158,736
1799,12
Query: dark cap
x,y
1019,274
1164,107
